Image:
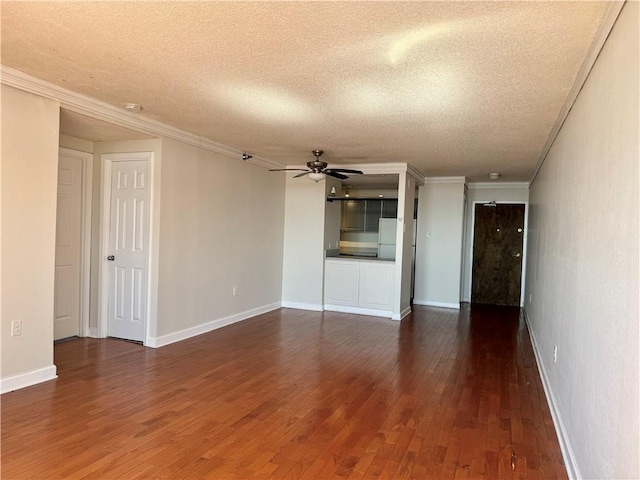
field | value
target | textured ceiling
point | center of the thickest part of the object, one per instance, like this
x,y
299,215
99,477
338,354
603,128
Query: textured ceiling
x,y
454,88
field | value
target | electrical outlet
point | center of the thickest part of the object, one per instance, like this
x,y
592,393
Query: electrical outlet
x,y
530,297
16,328
235,291
555,354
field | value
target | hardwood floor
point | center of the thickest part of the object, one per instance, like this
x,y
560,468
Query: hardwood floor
x,y
294,394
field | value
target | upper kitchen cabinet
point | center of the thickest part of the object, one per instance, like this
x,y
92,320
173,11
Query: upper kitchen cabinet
x,y
372,213
352,216
360,215
389,208
366,199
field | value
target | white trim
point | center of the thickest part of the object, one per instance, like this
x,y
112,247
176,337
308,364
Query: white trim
x,y
153,261
416,174
565,446
524,245
497,185
402,314
358,310
303,306
429,303
85,241
106,160
93,108
156,342
429,180
608,21
27,379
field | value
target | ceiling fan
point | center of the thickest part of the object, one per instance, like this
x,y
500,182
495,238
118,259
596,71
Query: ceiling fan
x,y
317,170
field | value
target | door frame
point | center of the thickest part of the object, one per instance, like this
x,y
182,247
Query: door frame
x,y
86,192
106,162
524,242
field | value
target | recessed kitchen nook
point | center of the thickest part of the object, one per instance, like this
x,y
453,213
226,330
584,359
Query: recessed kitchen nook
x,y
371,218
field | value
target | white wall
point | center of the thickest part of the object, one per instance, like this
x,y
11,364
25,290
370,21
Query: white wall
x,y
439,244
75,143
29,195
303,262
582,269
221,226
480,193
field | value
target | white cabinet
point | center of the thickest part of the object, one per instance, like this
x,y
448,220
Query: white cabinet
x,y
341,283
376,285
359,286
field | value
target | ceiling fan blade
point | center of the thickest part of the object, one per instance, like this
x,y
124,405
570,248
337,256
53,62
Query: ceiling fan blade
x,y
343,170
301,174
333,173
287,170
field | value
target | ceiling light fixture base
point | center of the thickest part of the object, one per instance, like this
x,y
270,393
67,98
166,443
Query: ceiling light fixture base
x,y
133,107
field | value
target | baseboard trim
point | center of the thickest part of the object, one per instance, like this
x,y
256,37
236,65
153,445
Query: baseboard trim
x,y
402,314
573,472
303,306
93,333
358,311
27,379
161,341
428,303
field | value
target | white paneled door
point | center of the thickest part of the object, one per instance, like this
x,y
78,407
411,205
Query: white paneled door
x,y
66,318
127,250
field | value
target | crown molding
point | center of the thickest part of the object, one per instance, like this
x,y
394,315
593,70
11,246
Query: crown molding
x,y
608,21
91,107
429,180
415,173
497,185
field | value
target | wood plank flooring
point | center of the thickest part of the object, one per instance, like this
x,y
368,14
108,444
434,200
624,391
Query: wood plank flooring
x,y
294,394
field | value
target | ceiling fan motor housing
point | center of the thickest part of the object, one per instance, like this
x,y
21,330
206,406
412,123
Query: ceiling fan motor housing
x,y
317,169
317,166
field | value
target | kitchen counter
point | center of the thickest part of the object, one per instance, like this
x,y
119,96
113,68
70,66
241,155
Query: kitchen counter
x,y
359,258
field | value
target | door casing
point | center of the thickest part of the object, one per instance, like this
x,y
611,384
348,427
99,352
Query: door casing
x,y
107,160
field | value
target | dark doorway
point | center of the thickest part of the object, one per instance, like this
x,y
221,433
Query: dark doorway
x,y
497,254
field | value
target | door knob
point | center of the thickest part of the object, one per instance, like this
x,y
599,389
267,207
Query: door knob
x,y
111,258
517,255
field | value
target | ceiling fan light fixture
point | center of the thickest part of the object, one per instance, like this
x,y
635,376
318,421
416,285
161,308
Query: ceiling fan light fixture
x,y
316,176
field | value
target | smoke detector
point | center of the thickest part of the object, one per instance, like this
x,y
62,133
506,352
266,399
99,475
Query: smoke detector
x,y
494,176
